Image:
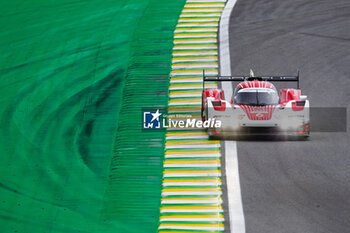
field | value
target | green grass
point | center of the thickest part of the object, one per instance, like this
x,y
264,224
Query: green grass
x,y
65,69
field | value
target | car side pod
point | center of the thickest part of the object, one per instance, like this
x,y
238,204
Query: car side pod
x,y
214,95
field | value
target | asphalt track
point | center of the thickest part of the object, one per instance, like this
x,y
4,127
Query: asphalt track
x,y
296,186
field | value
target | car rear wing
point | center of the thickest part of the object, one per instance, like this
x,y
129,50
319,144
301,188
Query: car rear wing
x,y
248,78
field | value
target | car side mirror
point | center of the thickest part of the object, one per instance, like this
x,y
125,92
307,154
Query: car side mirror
x,y
303,97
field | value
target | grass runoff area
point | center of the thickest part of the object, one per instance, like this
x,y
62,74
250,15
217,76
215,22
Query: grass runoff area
x,y
72,75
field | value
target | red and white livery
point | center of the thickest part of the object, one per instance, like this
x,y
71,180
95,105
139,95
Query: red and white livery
x,y
257,107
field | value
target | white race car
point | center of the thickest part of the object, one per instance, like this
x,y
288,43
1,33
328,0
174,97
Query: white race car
x,y
256,107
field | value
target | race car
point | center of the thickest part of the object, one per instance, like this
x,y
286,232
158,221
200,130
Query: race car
x,y
256,107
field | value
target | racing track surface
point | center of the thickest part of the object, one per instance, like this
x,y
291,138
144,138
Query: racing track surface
x,y
296,186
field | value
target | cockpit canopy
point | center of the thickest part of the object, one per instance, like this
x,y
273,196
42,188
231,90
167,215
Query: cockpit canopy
x,y
256,96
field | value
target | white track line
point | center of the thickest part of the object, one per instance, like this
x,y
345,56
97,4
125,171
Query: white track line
x,y
195,41
203,6
189,10
189,47
192,219
186,59
204,174
237,222
191,184
188,1
196,30
189,72
189,15
184,54
195,36
194,165
190,193
193,146
198,24
191,202
200,66
187,80
192,228
184,103
190,210
192,155
184,20
188,137
185,95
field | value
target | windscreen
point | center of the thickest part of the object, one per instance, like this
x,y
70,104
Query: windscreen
x,y
256,97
